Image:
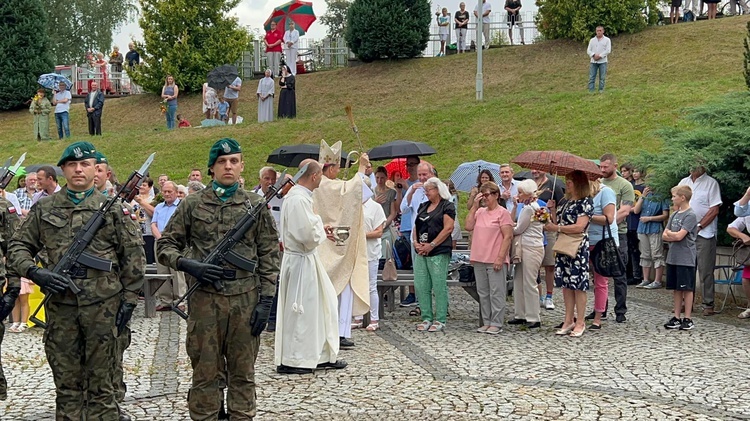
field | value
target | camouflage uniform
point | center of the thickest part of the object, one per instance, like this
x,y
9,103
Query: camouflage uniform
x,y
9,221
219,322
80,339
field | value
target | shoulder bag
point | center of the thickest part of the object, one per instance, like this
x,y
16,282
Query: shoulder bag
x,y
389,273
568,244
605,257
740,254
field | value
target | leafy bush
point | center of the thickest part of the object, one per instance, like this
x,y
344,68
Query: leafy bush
x,y
578,19
378,29
186,39
718,139
24,49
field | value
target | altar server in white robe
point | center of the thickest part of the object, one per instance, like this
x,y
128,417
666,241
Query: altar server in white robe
x,y
307,319
266,89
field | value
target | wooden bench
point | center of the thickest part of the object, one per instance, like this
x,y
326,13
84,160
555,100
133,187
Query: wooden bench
x,y
152,281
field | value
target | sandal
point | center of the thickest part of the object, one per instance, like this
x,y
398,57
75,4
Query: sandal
x,y
372,327
422,327
436,327
415,312
21,328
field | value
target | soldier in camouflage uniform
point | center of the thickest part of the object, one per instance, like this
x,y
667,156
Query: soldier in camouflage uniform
x,y
80,340
101,176
223,324
9,221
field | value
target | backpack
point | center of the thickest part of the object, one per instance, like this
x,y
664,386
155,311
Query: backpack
x,y
688,16
402,253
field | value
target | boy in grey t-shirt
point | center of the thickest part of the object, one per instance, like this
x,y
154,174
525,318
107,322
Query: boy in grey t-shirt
x,y
681,232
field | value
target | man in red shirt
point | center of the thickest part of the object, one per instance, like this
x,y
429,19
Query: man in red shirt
x,y
273,42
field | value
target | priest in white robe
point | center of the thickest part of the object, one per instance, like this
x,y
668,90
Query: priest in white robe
x,y
339,204
266,89
306,324
291,46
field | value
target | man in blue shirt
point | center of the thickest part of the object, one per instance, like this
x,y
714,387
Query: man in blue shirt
x,y
170,291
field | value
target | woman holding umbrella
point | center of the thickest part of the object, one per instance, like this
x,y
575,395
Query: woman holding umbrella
x,y
572,273
40,109
287,97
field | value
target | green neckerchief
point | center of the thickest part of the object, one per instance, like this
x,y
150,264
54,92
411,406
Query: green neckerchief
x,y
78,196
224,192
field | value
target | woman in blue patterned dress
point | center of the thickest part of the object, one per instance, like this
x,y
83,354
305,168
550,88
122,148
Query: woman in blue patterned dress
x,y
572,273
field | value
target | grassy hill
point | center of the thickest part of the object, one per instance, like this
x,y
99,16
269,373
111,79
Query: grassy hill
x,y
535,98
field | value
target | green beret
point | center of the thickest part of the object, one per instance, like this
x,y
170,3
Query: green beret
x,y
77,151
224,146
100,158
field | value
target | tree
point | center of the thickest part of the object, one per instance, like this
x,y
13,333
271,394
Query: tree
x,y
578,19
78,26
186,39
24,49
747,57
717,138
391,29
335,17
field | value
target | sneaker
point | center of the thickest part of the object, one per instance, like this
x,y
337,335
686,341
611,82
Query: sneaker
x,y
687,324
643,284
409,301
745,314
548,304
673,323
653,285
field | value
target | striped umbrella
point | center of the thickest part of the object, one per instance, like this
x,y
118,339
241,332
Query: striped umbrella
x,y
465,176
300,12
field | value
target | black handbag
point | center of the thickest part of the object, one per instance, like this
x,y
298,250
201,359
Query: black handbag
x,y
606,257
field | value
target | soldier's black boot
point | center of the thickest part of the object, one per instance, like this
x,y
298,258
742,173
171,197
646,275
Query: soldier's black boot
x,y
124,416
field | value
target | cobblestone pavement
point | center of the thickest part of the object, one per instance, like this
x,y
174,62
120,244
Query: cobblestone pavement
x,y
635,370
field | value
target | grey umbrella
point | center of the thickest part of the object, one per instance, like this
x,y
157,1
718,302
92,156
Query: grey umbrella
x,y
222,76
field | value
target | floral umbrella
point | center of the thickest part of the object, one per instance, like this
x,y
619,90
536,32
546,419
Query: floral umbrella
x,y
300,12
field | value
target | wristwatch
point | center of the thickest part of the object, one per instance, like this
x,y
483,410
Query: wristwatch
x,y
700,226
432,244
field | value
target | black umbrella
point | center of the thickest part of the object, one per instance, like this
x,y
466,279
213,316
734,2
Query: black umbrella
x,y
222,76
292,155
35,168
399,149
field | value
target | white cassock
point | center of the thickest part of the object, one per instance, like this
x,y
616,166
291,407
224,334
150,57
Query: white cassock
x,y
307,320
265,108
290,53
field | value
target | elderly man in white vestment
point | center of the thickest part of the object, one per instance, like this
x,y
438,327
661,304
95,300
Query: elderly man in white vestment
x,y
306,323
266,89
339,204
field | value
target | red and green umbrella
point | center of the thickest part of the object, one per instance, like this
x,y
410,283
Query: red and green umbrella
x,y
300,12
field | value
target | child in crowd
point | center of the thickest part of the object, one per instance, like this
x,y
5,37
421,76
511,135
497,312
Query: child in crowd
x,y
223,109
681,232
182,122
21,309
652,212
443,22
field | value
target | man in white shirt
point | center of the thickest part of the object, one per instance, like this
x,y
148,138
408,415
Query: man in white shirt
x,y
486,10
61,100
291,45
508,187
598,50
232,96
705,203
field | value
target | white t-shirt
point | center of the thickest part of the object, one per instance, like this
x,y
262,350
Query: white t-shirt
x,y
231,93
60,107
486,7
706,194
374,217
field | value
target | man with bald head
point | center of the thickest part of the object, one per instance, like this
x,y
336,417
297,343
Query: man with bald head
x,y
307,320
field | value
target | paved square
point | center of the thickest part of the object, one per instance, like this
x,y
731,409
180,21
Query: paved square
x,y
636,371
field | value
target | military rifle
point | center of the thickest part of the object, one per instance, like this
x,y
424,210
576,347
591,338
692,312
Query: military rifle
x,y
223,251
76,260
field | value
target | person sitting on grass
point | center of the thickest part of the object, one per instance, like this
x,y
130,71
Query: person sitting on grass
x,y
681,231
182,122
223,109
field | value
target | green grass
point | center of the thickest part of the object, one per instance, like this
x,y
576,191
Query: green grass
x,y
535,98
